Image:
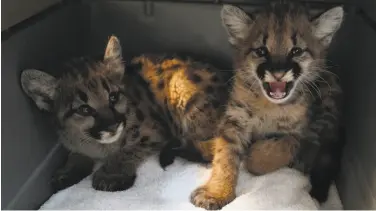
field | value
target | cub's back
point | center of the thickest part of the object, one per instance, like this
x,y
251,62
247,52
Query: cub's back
x,y
191,94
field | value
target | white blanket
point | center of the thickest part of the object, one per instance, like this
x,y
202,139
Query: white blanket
x,y
170,189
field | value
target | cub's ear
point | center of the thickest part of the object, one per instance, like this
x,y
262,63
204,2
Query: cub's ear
x,y
39,86
113,49
327,24
113,57
236,22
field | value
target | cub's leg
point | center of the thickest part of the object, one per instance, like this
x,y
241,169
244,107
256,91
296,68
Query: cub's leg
x,y
325,170
268,155
220,188
198,152
234,132
168,153
76,168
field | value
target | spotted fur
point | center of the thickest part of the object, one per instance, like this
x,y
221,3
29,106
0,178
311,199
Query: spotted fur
x,y
192,96
101,114
284,105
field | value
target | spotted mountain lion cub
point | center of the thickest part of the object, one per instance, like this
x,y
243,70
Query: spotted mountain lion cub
x,y
283,99
120,113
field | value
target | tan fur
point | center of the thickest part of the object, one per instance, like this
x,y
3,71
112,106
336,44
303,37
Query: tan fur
x,y
206,148
180,90
269,155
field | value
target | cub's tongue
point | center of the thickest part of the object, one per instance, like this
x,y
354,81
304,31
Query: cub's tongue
x,y
277,89
277,86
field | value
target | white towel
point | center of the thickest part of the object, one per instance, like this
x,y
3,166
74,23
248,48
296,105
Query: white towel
x,y
170,189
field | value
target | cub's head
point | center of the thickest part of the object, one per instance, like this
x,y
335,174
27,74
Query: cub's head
x,y
280,50
88,99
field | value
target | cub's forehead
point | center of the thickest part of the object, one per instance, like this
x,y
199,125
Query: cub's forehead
x,y
281,22
87,84
91,92
91,85
90,74
279,29
89,71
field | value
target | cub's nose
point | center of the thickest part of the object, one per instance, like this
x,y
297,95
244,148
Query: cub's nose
x,y
279,75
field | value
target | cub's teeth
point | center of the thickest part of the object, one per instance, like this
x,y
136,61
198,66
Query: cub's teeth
x,y
278,94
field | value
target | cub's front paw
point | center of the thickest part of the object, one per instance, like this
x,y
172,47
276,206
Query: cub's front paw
x,y
201,197
320,194
112,182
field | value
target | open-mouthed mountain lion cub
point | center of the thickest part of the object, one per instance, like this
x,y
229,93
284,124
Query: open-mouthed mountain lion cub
x,y
283,99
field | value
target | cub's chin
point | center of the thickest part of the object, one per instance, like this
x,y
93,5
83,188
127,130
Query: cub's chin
x,y
111,137
278,92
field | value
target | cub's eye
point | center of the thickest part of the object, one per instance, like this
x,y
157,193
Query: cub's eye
x,y
85,110
261,52
113,97
296,51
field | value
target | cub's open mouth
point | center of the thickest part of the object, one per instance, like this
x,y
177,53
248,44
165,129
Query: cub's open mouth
x,y
278,90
